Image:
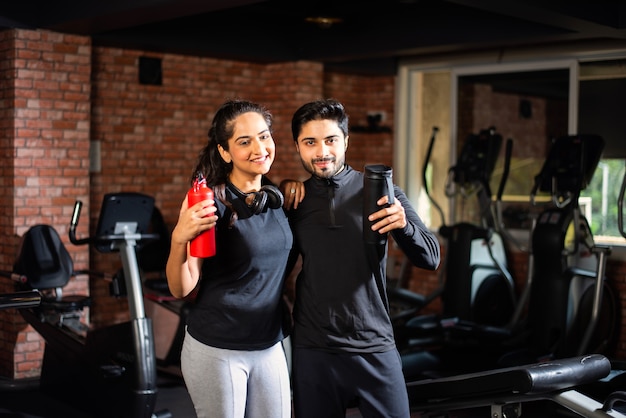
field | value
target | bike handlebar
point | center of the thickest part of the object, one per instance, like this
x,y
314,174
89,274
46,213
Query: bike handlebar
x,y
74,223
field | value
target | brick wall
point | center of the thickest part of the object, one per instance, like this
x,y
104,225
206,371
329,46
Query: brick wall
x,y
9,326
45,128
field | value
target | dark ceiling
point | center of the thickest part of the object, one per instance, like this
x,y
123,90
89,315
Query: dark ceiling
x,y
370,36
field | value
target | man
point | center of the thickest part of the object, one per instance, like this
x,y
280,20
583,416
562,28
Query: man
x,y
344,351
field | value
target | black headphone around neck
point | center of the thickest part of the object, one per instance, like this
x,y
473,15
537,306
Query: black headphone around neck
x,y
268,196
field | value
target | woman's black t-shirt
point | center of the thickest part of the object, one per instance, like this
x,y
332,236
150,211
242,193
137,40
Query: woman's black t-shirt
x,y
238,304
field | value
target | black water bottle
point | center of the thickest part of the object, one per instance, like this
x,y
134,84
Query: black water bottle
x,y
377,182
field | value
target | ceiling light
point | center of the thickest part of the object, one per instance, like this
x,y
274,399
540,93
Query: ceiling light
x,y
323,22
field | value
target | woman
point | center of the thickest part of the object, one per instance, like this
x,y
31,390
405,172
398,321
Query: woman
x,y
232,358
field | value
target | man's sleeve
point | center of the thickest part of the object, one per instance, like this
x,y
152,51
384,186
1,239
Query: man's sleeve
x,y
418,243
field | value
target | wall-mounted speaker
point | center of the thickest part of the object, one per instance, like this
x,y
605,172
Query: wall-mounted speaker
x,y
525,109
150,72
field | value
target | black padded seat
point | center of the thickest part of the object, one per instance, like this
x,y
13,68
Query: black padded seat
x,y
45,265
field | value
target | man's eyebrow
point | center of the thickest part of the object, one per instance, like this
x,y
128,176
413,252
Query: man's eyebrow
x,y
312,138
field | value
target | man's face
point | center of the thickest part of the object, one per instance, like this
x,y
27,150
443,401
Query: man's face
x,y
322,148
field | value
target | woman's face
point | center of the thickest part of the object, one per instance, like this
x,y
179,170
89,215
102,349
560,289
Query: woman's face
x,y
251,148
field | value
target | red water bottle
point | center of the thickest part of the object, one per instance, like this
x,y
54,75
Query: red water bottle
x,y
203,245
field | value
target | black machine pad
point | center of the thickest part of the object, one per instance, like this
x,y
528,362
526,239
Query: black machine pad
x,y
532,379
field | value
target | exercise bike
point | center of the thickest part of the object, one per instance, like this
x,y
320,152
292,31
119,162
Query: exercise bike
x,y
20,300
109,371
167,312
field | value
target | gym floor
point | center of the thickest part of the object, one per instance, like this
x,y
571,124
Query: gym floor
x,y
29,402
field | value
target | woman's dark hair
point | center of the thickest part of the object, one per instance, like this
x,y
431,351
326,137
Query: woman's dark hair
x,y
319,110
210,163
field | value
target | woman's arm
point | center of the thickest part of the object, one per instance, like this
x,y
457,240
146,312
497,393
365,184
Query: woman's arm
x,y
183,270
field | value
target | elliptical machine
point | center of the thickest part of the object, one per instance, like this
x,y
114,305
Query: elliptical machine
x,y
109,371
479,288
475,285
571,308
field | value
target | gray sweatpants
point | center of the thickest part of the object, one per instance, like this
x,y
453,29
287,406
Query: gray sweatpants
x,y
236,384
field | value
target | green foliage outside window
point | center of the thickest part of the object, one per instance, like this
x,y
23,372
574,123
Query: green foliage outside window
x,y
604,190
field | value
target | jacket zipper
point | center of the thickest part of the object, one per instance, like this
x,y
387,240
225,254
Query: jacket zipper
x,y
331,202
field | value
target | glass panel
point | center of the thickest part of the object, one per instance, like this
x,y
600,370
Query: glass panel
x,y
599,200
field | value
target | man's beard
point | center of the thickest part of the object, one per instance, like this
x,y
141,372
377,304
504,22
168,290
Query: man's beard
x,y
325,172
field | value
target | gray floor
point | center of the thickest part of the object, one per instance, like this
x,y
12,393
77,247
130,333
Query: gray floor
x,y
27,401
175,399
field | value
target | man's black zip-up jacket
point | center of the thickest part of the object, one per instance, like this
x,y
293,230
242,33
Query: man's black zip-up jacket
x,y
339,305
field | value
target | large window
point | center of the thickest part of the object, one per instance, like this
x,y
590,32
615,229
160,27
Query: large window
x,y
530,102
